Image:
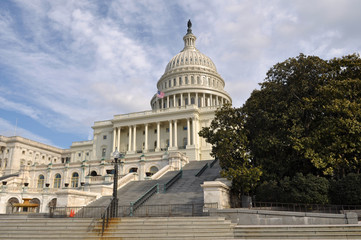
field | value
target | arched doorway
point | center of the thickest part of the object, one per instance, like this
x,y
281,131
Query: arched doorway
x,y
9,205
36,201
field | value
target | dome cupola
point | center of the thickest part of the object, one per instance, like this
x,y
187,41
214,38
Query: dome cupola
x,y
190,78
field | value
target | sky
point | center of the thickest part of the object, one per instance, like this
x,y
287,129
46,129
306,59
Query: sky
x,y
65,64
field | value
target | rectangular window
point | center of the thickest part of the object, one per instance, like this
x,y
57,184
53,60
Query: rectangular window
x,y
185,128
105,137
167,129
155,131
79,154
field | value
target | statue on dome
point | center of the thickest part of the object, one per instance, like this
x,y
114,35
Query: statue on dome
x,y
189,26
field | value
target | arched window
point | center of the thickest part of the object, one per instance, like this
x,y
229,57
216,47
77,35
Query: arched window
x,y
186,101
75,180
57,180
9,206
40,181
153,169
192,100
134,169
93,174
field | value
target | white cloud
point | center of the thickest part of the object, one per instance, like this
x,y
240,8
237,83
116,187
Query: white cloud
x,y
8,129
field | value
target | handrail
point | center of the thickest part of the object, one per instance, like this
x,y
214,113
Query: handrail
x,y
136,204
213,162
108,213
199,173
172,180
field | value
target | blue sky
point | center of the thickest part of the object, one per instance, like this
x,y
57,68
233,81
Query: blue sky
x,y
65,64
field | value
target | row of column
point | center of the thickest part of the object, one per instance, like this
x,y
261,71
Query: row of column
x,y
132,136
201,100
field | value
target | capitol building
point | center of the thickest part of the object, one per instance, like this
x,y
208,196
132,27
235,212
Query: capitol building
x,y
153,142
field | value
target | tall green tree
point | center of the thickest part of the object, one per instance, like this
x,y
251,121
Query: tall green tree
x,y
230,145
306,118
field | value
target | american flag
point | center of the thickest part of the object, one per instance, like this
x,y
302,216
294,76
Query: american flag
x,y
160,94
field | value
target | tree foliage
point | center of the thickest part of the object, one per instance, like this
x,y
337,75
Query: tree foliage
x,y
307,117
230,145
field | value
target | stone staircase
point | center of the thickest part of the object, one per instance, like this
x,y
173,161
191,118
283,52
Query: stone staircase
x,y
350,231
45,228
164,228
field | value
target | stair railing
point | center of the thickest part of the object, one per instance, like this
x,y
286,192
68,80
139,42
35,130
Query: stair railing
x,y
213,162
172,181
136,204
108,213
199,173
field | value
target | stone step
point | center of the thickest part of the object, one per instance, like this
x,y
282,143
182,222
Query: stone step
x,y
299,232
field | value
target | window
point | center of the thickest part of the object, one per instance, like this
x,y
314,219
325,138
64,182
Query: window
x,y
144,132
133,170
192,101
174,82
185,141
57,180
87,153
167,142
170,83
40,181
75,180
79,154
185,128
186,101
167,129
104,151
180,80
155,131
186,80
105,137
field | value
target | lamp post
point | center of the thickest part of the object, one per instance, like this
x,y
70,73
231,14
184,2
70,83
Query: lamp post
x,y
116,155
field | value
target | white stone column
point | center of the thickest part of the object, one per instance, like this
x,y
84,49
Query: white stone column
x,y
188,133
118,142
221,100
130,139
204,100
189,98
174,102
167,101
211,100
114,137
135,138
146,138
158,137
162,101
196,99
194,131
170,134
217,101
181,98
175,134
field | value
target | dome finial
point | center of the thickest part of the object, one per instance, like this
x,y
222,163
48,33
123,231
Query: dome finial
x,y
189,30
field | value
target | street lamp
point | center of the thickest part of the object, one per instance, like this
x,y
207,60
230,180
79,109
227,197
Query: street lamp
x,y
116,155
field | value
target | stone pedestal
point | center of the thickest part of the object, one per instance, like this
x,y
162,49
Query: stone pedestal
x,y
74,198
217,192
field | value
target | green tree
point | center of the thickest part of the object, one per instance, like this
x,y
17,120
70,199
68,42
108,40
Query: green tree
x,y
230,145
306,118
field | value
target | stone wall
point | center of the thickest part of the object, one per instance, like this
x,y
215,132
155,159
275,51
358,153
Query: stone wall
x,y
242,216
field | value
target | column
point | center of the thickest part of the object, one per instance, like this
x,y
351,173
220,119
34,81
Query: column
x,y
135,138
204,100
194,131
146,138
175,134
222,101
196,100
168,102
158,136
217,102
189,98
114,137
211,100
174,102
181,97
162,101
130,139
188,133
170,134
118,143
